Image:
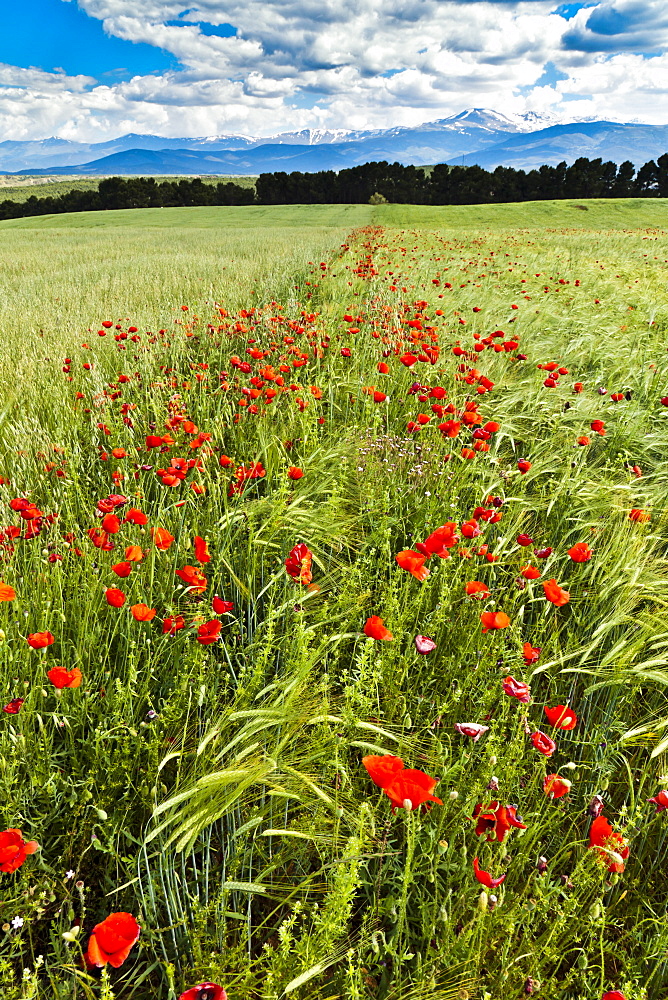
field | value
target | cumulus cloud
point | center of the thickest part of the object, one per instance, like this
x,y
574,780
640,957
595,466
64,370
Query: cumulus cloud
x,y
350,63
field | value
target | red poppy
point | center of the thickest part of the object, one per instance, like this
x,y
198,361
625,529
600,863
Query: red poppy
x,y
485,878
580,552
111,524
114,597
543,744
142,612
609,844
413,562
374,629
170,626
523,465
530,572
162,538
530,653
477,589
201,550
7,593
62,678
440,541
411,788
516,689
38,640
135,516
660,800
583,440
639,515
561,717
294,472
424,644
496,820
221,607
14,706
472,729
134,553
555,594
383,769
298,563
209,632
598,426
494,620
14,850
555,786
613,995
205,991
111,941
122,569
193,578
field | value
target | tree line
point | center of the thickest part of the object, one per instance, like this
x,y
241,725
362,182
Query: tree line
x,y
376,182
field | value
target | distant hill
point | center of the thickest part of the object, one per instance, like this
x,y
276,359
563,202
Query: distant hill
x,y
476,135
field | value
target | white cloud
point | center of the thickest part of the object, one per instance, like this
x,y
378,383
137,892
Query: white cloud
x,y
350,63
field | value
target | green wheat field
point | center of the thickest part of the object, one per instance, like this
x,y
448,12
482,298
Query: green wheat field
x,y
229,437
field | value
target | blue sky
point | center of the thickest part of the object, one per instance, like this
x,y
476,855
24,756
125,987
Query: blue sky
x,y
92,69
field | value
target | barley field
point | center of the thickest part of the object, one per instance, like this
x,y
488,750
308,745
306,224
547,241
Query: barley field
x,y
333,603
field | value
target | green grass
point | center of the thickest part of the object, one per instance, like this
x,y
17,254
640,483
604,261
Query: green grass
x,y
216,792
22,188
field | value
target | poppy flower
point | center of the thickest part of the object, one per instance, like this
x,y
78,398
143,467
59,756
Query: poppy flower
x,y
142,612
205,991
193,578
14,850
298,563
530,653
383,769
609,844
638,515
485,878
38,640
543,744
14,706
122,569
561,717
583,440
555,786
62,678
598,426
530,572
496,820
374,629
411,788
294,472
221,607
413,562
523,465
111,941
554,593
134,516
580,552
162,538
111,524
170,626
494,620
472,729
524,539
613,995
516,689
440,541
209,632
7,593
424,644
660,800
201,550
134,553
114,597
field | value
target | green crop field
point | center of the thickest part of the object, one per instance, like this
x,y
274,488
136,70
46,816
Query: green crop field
x,y
333,603
22,188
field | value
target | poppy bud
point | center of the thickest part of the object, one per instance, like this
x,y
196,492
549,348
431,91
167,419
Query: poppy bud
x,y
424,644
595,807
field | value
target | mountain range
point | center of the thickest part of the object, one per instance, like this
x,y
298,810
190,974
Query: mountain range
x,y
475,136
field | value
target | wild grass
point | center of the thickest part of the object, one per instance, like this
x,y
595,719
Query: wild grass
x,y
216,791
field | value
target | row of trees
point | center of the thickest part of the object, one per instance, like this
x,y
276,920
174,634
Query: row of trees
x,y
391,182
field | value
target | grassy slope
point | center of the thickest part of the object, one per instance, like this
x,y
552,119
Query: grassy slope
x,y
397,891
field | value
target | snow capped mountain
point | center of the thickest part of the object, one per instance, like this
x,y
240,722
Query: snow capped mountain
x,y
475,135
